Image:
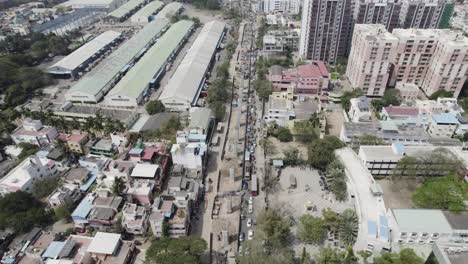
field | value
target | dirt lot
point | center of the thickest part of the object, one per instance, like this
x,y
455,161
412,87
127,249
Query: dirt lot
x,y
335,120
397,193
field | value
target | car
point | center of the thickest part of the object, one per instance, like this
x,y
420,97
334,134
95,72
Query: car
x,y
245,185
250,200
249,222
241,236
242,216
250,234
250,208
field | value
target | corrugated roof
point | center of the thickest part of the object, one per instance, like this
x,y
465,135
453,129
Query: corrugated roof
x,y
148,9
53,250
79,56
97,79
187,79
124,9
138,78
85,206
421,220
200,117
445,118
170,9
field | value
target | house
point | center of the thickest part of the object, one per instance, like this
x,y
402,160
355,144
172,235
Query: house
x,y
65,195
92,163
28,172
190,155
146,171
75,141
96,210
280,111
135,219
120,140
81,177
442,125
141,192
178,218
359,110
407,91
33,132
102,147
405,115
115,169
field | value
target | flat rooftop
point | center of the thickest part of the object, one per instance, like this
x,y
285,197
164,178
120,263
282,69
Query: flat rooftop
x,y
421,220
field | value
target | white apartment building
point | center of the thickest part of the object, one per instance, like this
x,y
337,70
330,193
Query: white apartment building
x,y
442,125
370,59
23,176
285,6
33,132
280,111
190,155
135,219
359,110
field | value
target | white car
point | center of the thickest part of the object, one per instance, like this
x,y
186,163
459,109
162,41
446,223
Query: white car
x,y
250,208
250,235
249,222
250,200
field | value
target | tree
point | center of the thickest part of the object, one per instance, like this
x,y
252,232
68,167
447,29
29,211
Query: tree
x,y
27,149
406,255
304,131
440,93
347,96
349,227
328,255
311,229
447,193
439,162
292,157
305,257
336,179
331,219
321,151
275,228
44,188
21,212
154,107
263,88
118,186
169,251
218,109
284,134
268,146
364,254
370,140
63,213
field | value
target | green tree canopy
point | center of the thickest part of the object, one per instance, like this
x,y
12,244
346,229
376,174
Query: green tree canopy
x,y
321,152
328,255
292,157
184,250
405,256
275,228
154,107
440,93
448,193
311,229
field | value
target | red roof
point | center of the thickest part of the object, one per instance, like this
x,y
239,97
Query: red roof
x,y
77,137
315,69
402,110
148,152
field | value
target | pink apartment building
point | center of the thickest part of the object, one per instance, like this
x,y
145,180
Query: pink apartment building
x,y
311,79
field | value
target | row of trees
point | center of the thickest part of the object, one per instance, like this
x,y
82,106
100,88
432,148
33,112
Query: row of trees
x,y
185,250
167,132
336,179
207,4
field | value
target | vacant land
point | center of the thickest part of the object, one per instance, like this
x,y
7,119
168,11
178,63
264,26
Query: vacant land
x,y
397,192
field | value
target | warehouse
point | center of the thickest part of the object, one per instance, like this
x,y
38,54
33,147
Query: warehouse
x,y
134,86
105,5
78,60
98,82
170,10
145,14
126,10
184,87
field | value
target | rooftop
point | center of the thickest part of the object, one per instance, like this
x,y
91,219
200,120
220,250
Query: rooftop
x,y
104,243
149,9
421,220
401,110
145,170
458,221
169,10
124,9
200,117
445,118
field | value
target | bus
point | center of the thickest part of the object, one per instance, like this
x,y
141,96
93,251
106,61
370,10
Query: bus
x,y
254,185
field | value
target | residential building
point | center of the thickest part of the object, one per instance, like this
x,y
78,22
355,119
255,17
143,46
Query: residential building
x,y
280,41
109,248
101,147
189,154
405,115
382,160
359,110
80,177
33,132
386,13
97,210
305,80
280,111
146,171
141,192
92,163
407,91
75,142
442,125
116,168
326,29
291,7
65,195
120,139
26,174
459,19
178,218
371,57
135,219
425,13
200,125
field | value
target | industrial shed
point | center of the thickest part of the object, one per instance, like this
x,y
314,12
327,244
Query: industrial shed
x,y
98,82
83,56
183,89
126,10
170,10
134,86
144,14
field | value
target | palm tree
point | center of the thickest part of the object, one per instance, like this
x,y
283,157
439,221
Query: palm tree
x,y
119,185
314,120
349,226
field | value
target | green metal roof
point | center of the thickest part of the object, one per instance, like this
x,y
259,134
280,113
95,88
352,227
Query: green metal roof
x,y
169,9
138,78
125,8
97,79
149,9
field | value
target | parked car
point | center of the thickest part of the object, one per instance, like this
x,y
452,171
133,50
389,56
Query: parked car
x,y
250,234
249,222
250,208
241,237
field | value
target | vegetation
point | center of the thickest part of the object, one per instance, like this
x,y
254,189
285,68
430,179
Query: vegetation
x,y
406,255
336,179
390,97
263,88
274,228
207,4
177,17
440,93
167,132
118,187
447,193
305,130
292,157
63,213
439,162
154,107
262,29
21,212
268,146
321,152
281,133
28,149
347,96
349,227
44,188
370,140
328,255
311,229
182,250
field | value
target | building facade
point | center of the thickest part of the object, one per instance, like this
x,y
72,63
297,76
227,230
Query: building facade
x,y
385,12
284,6
422,13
